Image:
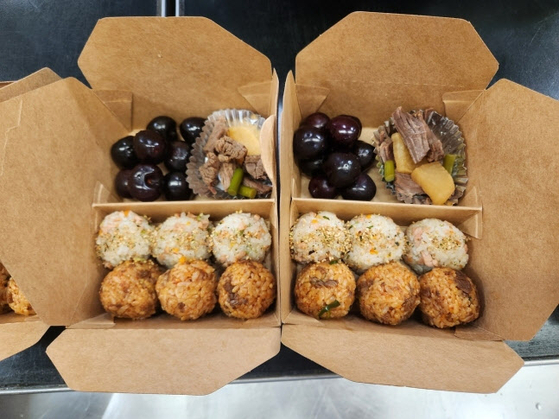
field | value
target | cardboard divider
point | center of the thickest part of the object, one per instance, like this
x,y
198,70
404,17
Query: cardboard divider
x,y
18,333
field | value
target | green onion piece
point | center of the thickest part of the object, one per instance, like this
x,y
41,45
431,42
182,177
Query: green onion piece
x,y
448,163
328,307
333,262
236,181
247,192
389,170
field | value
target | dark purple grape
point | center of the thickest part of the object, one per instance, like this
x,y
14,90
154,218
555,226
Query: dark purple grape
x,y
191,128
309,143
341,169
176,187
178,153
122,180
145,182
122,153
320,188
311,167
318,120
166,126
364,189
356,120
365,152
344,130
149,146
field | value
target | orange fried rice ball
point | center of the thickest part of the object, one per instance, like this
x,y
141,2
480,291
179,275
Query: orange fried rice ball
x,y
325,290
388,293
187,291
4,307
246,290
17,301
448,298
128,291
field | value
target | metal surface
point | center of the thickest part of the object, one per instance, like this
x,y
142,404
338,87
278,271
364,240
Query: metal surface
x,y
532,393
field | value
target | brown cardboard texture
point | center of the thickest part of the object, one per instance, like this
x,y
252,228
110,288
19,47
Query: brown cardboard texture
x,y
56,141
19,332
510,242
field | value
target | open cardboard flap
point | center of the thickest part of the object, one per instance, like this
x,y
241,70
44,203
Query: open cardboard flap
x,y
511,135
18,333
186,361
53,141
371,63
366,352
176,66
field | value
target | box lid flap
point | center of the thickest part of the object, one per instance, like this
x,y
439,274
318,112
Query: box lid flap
x,y
173,65
35,80
511,138
375,62
163,361
410,355
54,143
18,333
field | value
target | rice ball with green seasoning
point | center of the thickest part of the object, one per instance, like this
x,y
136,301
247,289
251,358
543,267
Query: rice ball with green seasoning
x,y
375,240
325,290
182,236
240,236
435,243
122,236
318,237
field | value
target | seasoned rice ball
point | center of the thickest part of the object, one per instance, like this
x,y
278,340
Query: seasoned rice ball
x,y
388,293
182,236
128,291
123,235
4,307
325,290
17,301
448,298
318,237
435,243
241,236
246,290
375,240
188,290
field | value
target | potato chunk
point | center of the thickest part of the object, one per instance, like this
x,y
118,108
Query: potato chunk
x,y
435,181
402,156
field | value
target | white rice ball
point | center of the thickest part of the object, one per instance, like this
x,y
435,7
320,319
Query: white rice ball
x,y
375,240
182,236
122,236
435,243
318,237
240,236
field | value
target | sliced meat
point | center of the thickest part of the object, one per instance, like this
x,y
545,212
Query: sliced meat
x,y
226,173
436,151
253,166
228,149
414,132
386,150
209,171
406,188
219,130
261,188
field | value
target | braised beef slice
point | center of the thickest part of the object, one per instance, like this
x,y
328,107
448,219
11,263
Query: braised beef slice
x,y
261,188
462,282
253,166
406,187
414,132
226,173
219,130
209,171
436,151
319,283
228,149
386,150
